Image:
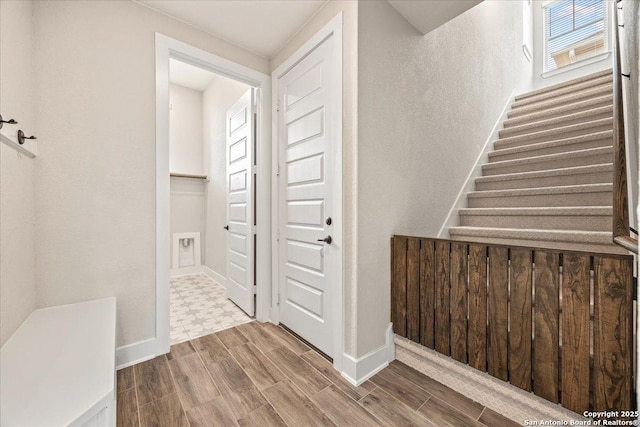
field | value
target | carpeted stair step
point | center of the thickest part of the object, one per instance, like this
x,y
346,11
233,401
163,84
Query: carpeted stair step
x,y
599,139
519,110
590,156
559,121
562,110
567,84
592,174
603,80
562,132
592,218
566,195
590,241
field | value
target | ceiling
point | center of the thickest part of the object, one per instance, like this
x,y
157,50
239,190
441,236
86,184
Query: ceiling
x,y
189,76
262,27
426,16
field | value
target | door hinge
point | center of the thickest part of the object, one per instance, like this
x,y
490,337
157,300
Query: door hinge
x,y
254,169
277,236
254,289
254,229
278,170
278,299
278,105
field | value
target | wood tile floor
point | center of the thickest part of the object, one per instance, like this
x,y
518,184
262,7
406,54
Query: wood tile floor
x,y
260,375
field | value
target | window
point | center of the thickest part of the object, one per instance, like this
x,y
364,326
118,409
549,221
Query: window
x,y
574,30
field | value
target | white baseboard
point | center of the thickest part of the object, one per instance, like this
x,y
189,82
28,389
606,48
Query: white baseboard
x,y
215,276
453,219
186,271
135,353
357,371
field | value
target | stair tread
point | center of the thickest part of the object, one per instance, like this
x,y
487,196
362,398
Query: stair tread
x,y
555,143
554,131
572,82
548,157
558,119
561,189
603,167
581,236
560,211
524,118
517,108
575,87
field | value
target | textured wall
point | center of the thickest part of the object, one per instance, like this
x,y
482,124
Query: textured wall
x,y
95,181
221,94
426,105
186,153
17,230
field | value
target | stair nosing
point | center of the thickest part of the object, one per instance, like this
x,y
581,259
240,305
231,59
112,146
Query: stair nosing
x,y
564,98
560,189
560,211
568,236
558,130
548,157
559,119
567,83
594,85
596,136
572,170
567,107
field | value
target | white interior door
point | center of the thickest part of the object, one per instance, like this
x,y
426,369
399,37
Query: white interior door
x,y
309,146
240,155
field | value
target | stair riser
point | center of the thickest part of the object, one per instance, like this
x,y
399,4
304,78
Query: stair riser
x,y
539,222
549,164
543,200
584,247
518,109
549,136
496,156
568,84
509,132
524,100
551,181
557,111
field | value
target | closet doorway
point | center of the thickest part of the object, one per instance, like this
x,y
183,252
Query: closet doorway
x,y
211,140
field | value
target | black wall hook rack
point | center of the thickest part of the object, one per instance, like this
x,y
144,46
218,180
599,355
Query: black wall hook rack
x,y
9,122
22,138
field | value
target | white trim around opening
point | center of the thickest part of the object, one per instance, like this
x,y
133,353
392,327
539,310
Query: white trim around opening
x,y
166,48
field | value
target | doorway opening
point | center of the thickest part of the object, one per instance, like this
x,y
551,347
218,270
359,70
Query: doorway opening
x,y
211,125
213,157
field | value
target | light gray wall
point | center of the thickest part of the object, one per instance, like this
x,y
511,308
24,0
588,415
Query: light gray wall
x,y
426,105
17,210
187,202
219,96
95,181
631,64
538,55
186,153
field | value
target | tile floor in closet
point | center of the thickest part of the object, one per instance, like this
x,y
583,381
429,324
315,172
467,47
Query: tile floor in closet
x,y
199,307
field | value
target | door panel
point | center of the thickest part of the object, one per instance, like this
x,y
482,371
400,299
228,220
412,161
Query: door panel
x,y
240,202
307,143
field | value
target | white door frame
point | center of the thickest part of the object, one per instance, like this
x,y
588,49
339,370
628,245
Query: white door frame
x,y
334,27
166,48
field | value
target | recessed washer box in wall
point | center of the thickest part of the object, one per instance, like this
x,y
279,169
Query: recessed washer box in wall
x,y
186,253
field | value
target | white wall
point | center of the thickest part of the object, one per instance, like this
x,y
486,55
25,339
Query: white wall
x,y
221,94
186,154
349,10
187,208
538,54
426,105
17,230
95,181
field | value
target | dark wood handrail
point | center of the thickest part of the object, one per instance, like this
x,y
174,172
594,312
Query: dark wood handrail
x,y
621,235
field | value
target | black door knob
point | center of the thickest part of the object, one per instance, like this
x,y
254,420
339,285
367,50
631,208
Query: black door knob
x,y
327,240
226,227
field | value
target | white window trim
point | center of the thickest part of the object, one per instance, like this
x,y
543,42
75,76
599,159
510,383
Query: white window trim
x,y
600,57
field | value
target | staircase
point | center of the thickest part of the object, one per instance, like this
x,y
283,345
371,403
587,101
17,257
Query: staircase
x,y
548,182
